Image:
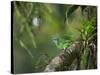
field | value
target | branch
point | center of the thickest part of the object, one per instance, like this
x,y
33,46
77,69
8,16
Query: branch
x,y
64,59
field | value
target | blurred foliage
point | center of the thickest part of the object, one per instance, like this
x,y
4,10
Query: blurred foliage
x,y
40,30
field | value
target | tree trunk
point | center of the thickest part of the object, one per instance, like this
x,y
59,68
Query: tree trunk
x,y
64,59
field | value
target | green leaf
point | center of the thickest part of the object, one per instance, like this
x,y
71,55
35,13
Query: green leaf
x,y
31,36
70,11
25,47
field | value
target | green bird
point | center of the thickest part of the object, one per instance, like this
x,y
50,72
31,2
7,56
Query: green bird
x,y
61,43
